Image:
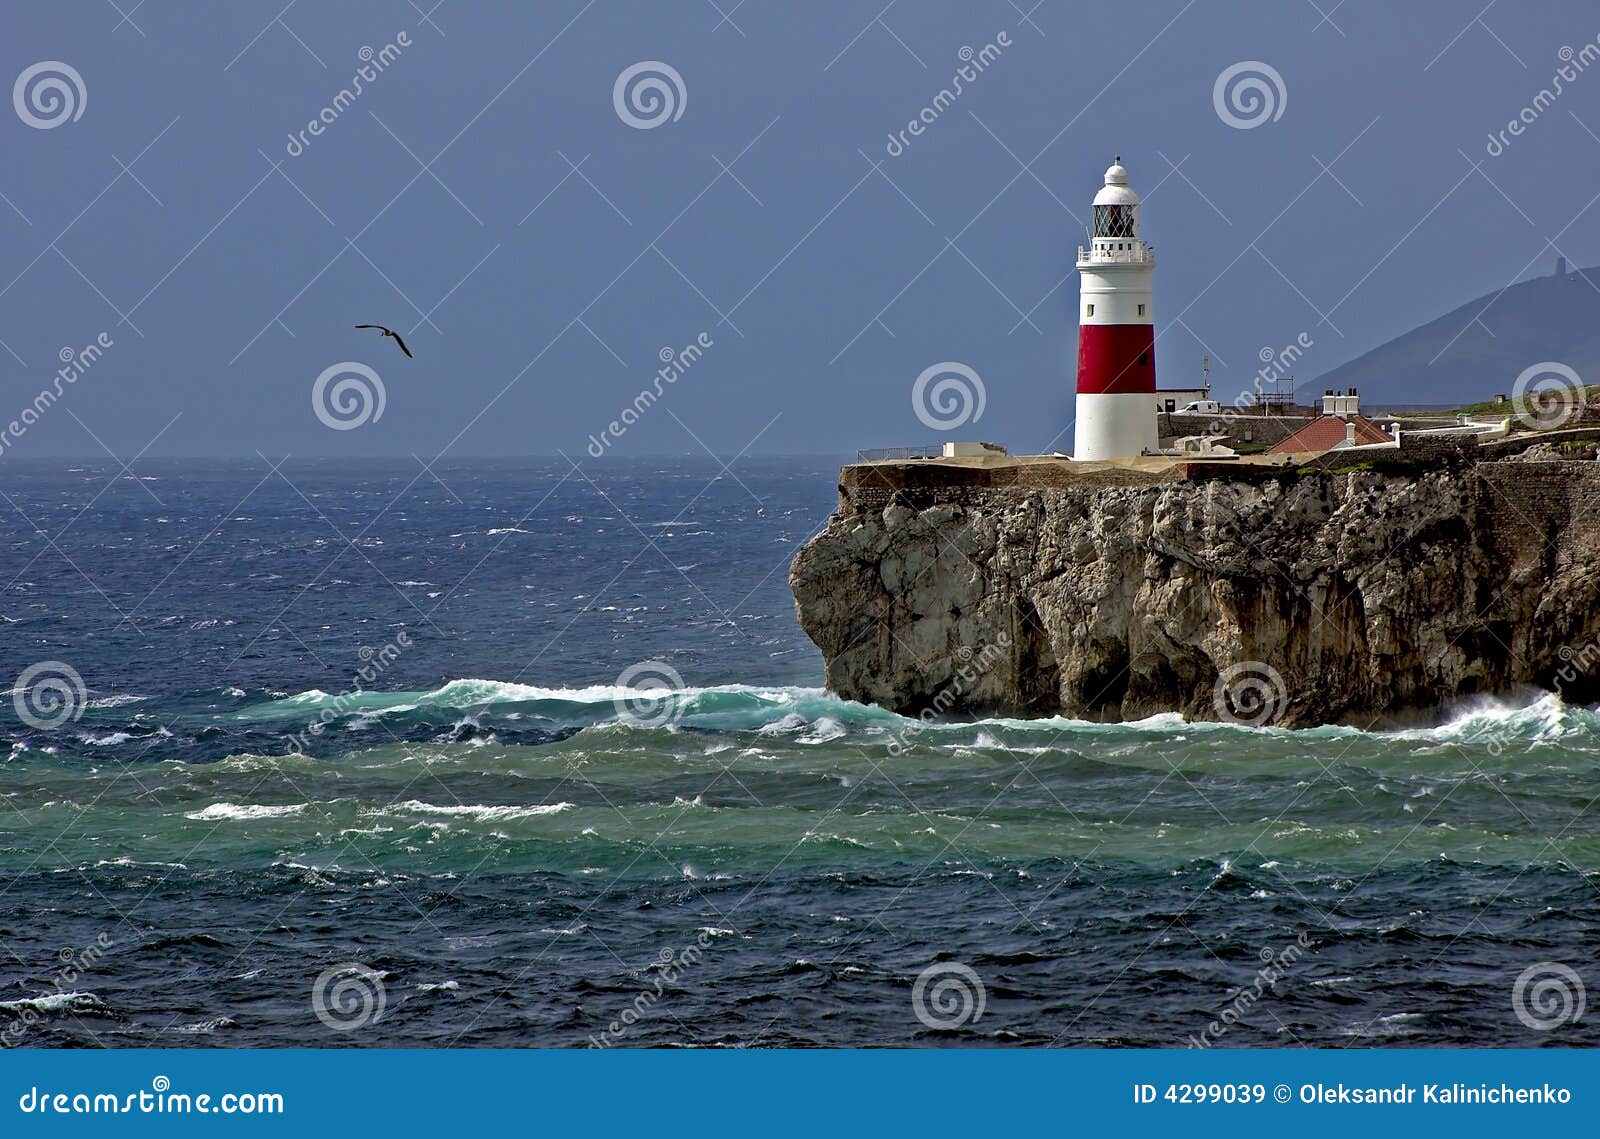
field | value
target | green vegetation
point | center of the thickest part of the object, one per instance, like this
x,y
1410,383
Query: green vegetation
x,y
1379,467
1573,448
1488,408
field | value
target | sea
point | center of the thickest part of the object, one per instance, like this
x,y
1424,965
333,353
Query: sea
x,y
534,753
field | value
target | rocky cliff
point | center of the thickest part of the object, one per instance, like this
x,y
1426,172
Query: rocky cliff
x,y
1293,597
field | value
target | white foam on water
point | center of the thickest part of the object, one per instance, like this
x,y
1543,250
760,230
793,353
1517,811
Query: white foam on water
x,y
482,812
824,730
51,1002
238,811
107,741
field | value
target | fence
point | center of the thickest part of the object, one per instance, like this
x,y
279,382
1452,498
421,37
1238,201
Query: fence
x,y
880,454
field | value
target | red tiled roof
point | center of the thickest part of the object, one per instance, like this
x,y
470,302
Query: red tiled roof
x,y
1327,432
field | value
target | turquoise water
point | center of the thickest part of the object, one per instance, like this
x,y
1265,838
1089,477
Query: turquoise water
x,y
515,847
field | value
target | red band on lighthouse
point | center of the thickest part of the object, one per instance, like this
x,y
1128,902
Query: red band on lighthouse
x,y
1116,358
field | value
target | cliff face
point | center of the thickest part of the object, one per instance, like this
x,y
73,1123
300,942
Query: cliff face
x,y
1307,598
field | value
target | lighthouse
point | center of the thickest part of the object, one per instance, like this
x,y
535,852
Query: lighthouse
x,y
1116,415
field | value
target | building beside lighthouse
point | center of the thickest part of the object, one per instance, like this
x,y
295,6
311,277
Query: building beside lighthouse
x,y
1116,406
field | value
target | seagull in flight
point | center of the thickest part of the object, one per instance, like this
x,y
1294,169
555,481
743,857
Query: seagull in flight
x,y
390,332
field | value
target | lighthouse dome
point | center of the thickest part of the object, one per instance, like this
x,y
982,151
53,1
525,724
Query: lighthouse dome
x,y
1116,191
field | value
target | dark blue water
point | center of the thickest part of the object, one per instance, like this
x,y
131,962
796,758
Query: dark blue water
x,y
367,755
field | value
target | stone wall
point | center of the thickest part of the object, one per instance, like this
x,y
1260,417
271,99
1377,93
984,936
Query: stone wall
x,y
1502,447
1545,497
1267,429
871,486
1440,448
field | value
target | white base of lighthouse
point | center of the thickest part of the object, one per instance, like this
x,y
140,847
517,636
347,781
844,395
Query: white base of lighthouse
x,y
1115,426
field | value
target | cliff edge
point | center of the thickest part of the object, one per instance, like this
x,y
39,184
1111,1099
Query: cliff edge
x,y
1295,597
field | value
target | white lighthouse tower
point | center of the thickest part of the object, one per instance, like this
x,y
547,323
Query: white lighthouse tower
x,y
1116,415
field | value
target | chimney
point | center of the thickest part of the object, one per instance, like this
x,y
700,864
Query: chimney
x,y
1329,404
1349,433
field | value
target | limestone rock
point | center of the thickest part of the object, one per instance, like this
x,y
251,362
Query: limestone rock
x,y
1356,597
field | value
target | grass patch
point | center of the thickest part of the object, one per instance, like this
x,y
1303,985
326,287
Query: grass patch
x,y
1513,407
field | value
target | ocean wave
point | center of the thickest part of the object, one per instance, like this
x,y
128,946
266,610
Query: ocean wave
x,y
236,811
1488,721
205,1027
111,740
480,812
54,1002
816,716
116,700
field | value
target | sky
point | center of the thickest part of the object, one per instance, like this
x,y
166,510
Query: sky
x,y
543,231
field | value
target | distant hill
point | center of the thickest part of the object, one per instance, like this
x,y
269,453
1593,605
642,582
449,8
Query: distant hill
x,y
1547,318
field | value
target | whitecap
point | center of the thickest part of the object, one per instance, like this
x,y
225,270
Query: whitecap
x,y
825,729
205,1027
52,1002
108,740
218,811
483,813
116,700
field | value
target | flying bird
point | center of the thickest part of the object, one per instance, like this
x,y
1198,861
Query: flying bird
x,y
390,332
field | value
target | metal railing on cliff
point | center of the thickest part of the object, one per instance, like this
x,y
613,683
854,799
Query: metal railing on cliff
x,y
880,454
